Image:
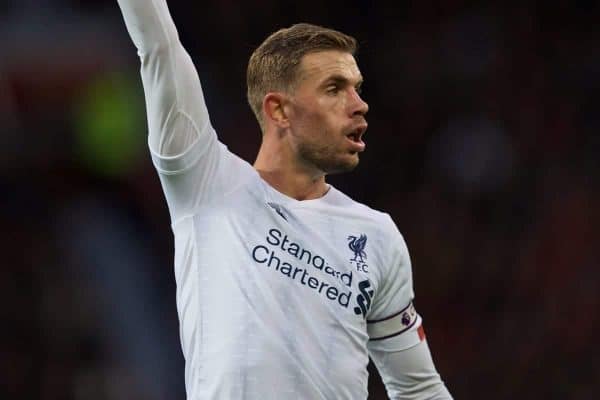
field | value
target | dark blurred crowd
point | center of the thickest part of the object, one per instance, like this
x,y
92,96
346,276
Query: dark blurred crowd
x,y
483,145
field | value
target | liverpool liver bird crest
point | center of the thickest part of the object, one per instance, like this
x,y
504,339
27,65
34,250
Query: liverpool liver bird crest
x,y
357,245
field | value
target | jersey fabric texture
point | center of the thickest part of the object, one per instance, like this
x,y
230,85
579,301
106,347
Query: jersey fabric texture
x,y
277,298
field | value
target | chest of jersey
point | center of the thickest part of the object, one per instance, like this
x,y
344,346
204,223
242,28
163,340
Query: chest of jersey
x,y
327,262
285,289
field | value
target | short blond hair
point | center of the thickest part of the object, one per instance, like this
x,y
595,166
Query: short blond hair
x,y
274,65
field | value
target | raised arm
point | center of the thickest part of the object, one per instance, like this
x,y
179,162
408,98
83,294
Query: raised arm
x,y
177,115
193,166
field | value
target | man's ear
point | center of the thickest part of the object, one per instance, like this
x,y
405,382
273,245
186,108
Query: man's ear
x,y
274,109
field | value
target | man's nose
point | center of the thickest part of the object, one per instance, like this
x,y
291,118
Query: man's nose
x,y
359,106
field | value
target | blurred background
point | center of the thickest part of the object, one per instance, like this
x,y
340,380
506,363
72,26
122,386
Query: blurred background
x,y
484,146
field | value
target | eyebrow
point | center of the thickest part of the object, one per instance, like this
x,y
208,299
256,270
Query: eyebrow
x,y
340,79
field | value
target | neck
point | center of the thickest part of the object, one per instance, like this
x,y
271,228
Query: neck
x,y
278,166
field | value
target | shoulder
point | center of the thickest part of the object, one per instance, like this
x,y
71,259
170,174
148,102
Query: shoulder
x,y
381,219
383,233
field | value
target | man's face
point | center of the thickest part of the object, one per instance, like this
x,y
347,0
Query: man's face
x,y
326,113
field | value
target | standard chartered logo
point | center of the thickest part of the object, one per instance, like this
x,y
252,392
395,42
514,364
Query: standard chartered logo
x,y
279,247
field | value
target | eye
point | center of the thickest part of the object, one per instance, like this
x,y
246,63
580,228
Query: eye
x,y
358,89
333,89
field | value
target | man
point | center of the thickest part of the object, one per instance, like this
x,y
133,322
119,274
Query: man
x,y
285,286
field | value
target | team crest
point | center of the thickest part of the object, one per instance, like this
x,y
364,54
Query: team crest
x,y
357,245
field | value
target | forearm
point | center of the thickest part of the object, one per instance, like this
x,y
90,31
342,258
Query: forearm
x,y
410,374
176,111
149,24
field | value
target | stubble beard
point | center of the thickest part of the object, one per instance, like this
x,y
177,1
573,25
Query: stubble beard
x,y
327,158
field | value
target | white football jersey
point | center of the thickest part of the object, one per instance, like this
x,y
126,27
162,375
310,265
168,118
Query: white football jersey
x,y
277,298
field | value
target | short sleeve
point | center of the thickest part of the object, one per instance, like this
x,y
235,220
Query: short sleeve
x,y
393,323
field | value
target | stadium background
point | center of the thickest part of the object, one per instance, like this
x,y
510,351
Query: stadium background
x,y
483,145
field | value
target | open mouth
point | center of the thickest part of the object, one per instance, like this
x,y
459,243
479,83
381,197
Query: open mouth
x,y
355,137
